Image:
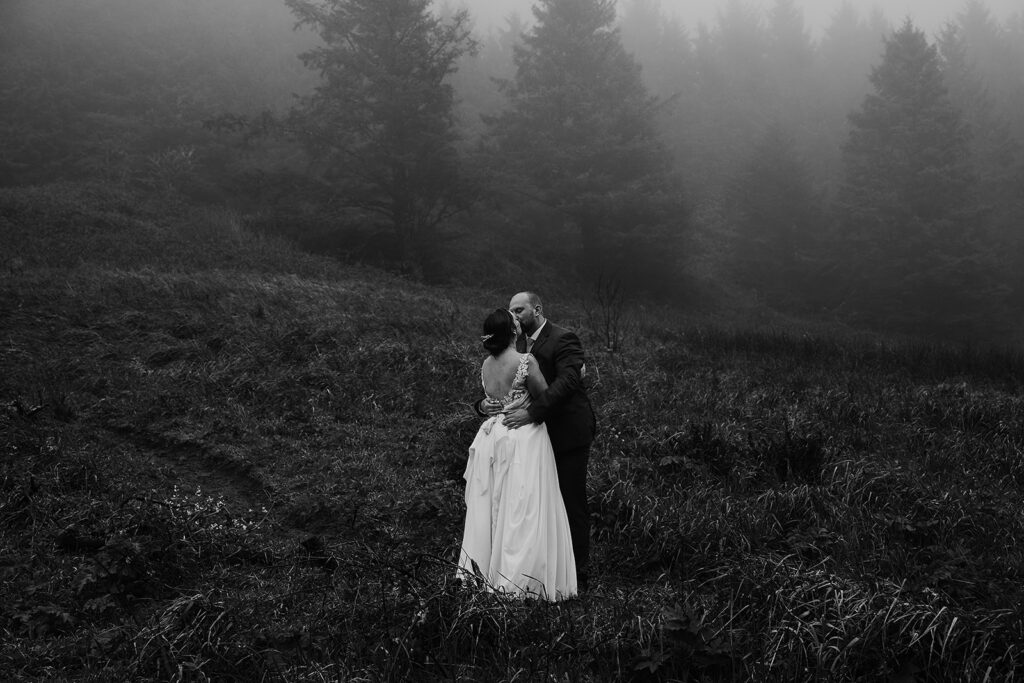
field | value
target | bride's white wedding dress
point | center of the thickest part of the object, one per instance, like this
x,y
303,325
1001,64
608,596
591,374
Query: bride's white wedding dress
x,y
517,532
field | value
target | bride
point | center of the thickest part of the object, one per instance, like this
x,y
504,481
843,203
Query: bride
x,y
517,534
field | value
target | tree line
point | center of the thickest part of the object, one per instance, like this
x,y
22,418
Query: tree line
x,y
873,175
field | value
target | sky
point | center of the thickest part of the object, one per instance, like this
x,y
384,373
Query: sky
x,y
929,15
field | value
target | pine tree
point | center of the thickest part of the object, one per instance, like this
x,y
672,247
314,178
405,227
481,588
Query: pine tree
x,y
119,90
998,156
662,46
381,123
789,42
849,48
908,205
579,136
475,82
742,45
976,56
777,216
790,56
733,101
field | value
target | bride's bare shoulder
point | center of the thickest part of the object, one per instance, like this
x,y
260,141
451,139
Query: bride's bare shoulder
x,y
506,357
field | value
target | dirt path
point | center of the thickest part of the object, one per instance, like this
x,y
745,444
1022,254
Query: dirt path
x,y
222,471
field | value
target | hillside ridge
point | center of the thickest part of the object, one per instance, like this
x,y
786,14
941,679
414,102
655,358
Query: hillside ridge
x,y
227,457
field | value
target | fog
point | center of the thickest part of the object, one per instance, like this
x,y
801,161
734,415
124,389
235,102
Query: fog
x,y
929,15
731,165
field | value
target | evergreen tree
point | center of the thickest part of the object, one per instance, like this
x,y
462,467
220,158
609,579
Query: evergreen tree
x,y
997,55
975,55
661,45
381,124
848,49
776,219
985,71
908,206
790,55
579,134
1015,41
475,81
119,89
742,44
733,102
997,155
789,43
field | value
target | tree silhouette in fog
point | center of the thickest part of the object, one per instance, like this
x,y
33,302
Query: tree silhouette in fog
x,y
908,207
777,220
997,155
983,76
579,136
118,90
380,125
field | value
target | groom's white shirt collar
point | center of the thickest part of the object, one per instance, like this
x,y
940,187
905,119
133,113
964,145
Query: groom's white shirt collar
x,y
536,332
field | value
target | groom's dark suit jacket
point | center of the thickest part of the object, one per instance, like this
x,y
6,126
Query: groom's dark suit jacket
x,y
564,407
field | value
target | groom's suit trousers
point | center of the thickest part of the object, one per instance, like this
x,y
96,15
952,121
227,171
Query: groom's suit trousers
x,y
572,482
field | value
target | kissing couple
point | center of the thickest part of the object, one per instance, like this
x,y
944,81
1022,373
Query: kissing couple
x,y
527,529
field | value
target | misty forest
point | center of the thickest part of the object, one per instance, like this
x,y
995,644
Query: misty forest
x,y
246,247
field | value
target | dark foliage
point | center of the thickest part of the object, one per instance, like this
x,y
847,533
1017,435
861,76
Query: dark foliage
x,y
380,125
578,136
779,222
119,89
910,225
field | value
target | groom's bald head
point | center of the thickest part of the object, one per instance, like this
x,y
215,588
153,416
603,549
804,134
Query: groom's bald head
x,y
532,297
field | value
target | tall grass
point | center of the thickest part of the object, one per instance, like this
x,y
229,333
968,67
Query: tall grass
x,y
225,459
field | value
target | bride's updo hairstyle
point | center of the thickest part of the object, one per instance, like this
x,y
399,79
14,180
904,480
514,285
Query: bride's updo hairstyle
x,y
499,328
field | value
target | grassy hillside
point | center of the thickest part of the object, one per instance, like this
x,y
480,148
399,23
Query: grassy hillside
x,y
224,459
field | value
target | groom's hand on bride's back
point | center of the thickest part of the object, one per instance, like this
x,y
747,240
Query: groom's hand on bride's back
x,y
518,418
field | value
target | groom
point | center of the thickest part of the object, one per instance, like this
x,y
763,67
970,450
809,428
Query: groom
x,y
566,410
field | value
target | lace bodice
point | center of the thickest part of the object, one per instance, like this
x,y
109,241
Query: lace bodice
x,y
518,395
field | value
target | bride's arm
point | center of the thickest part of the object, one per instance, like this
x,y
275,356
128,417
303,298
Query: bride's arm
x,y
486,407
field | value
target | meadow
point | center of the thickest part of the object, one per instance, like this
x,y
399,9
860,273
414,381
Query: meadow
x,y
225,459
